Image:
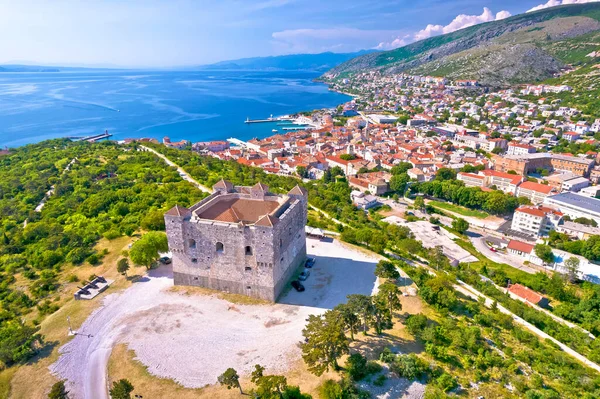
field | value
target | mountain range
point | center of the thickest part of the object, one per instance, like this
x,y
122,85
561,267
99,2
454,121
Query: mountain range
x,y
311,62
524,48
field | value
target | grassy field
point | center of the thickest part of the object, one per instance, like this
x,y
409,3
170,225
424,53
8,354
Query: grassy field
x,y
458,209
33,379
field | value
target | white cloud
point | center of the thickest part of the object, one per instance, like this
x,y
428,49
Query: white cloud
x,y
460,22
554,3
330,39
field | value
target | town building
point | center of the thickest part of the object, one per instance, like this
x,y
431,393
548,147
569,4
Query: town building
x,y
519,149
471,179
535,192
505,182
528,295
374,182
243,240
575,205
535,221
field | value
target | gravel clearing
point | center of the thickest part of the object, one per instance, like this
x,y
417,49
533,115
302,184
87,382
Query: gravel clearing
x,y
193,338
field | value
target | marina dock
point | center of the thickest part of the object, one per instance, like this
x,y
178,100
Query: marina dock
x,y
91,139
270,119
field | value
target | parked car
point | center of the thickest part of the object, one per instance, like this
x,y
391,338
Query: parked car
x,y
493,249
165,260
297,286
304,275
310,262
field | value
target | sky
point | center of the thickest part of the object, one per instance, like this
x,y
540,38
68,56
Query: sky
x,y
164,33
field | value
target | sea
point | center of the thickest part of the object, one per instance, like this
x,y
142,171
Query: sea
x,y
190,105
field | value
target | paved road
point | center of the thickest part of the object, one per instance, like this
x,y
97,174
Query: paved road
x,y
184,175
484,249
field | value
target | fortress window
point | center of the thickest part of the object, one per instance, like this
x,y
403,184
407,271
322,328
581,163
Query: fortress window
x,y
248,269
280,243
248,250
192,244
194,260
219,247
248,287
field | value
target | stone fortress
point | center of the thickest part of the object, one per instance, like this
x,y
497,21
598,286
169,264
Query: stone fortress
x,y
242,240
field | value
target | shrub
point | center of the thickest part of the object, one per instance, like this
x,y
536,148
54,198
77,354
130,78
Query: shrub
x,y
409,366
380,380
356,366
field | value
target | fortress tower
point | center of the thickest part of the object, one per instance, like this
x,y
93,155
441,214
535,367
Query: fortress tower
x,y
243,240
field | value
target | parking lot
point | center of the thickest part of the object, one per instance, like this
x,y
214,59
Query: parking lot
x,y
432,236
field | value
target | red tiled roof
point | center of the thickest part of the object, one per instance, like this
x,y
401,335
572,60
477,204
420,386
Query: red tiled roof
x,y
520,246
540,188
526,293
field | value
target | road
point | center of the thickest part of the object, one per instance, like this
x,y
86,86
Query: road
x,y
471,292
481,246
184,175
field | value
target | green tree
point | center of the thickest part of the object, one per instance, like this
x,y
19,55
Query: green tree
x,y
154,220
123,266
302,171
356,366
145,251
230,379
58,391
544,252
572,266
324,343
386,269
382,318
445,174
416,323
268,386
409,366
419,203
460,225
18,341
350,319
361,305
389,294
398,182
121,389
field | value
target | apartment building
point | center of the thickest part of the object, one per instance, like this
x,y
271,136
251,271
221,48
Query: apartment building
x,y
519,149
535,192
503,181
471,180
536,221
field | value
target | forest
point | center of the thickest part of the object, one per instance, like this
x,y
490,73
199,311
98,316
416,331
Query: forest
x,y
107,191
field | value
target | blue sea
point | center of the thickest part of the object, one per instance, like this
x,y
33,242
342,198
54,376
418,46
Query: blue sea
x,y
196,106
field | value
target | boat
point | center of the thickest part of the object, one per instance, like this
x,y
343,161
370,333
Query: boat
x,y
274,130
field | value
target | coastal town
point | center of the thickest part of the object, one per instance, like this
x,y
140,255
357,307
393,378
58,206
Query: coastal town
x,y
536,150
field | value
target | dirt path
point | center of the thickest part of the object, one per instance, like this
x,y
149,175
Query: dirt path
x,y
192,338
185,175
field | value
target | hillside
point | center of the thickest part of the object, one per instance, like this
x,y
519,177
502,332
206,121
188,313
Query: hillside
x,y
314,62
523,48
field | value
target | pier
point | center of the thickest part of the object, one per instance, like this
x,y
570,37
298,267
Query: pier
x,y
269,119
91,139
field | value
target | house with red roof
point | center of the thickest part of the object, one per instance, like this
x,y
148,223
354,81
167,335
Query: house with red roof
x,y
527,295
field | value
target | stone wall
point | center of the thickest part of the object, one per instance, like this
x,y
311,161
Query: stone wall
x,y
256,261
